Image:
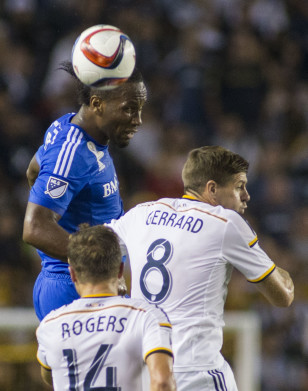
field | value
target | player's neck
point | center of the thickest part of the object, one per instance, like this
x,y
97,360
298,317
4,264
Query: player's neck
x,y
193,195
109,287
199,197
86,120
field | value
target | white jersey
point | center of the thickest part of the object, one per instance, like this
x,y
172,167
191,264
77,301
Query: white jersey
x,y
182,252
101,342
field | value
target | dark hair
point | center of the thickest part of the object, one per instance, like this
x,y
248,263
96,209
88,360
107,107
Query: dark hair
x,y
94,253
85,92
211,163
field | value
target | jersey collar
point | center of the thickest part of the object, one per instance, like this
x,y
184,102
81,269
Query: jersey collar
x,y
190,197
98,295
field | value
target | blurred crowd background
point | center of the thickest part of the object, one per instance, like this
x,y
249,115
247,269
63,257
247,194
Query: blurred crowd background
x,y
226,72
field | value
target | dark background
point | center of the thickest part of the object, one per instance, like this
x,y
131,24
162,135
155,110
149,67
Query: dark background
x,y
227,72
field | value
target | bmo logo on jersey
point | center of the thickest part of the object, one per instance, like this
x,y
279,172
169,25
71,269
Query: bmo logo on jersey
x,y
110,187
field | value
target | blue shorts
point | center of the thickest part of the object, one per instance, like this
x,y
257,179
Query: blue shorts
x,y
51,291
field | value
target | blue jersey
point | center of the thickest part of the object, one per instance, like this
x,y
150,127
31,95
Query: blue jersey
x,y
77,180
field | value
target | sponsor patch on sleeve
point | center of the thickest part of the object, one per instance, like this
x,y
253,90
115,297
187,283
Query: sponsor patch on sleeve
x,y
56,187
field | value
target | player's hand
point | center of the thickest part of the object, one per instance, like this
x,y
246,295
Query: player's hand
x,y
122,288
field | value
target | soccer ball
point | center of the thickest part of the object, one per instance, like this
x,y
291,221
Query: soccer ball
x,y
103,57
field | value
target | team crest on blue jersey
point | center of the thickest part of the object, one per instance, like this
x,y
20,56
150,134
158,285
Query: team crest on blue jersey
x,y
56,187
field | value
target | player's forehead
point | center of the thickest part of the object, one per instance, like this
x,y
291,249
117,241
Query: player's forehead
x,y
135,91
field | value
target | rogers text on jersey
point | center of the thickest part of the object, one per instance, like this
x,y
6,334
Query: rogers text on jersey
x,y
90,325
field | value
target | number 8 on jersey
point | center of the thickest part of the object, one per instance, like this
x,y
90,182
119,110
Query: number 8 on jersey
x,y
155,278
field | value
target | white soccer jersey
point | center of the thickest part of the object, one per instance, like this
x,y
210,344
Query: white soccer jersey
x,y
182,252
101,342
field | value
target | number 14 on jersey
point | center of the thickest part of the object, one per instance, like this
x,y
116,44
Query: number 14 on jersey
x,y
93,372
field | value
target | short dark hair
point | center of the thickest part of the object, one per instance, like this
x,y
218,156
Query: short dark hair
x,y
85,92
211,163
94,253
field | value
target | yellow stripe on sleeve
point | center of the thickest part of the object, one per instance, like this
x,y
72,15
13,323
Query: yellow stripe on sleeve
x,y
268,272
253,242
165,325
43,365
158,350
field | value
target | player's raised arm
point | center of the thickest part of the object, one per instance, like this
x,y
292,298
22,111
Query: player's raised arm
x,y
41,230
160,369
278,288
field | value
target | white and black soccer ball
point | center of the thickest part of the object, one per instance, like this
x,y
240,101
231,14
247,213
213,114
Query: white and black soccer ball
x,y
103,57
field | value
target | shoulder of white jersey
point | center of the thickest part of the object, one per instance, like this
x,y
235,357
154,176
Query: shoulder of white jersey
x,y
145,204
170,203
54,314
243,226
152,310
154,202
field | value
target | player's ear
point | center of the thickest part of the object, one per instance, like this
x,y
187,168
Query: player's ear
x,y
97,104
121,270
212,187
211,191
